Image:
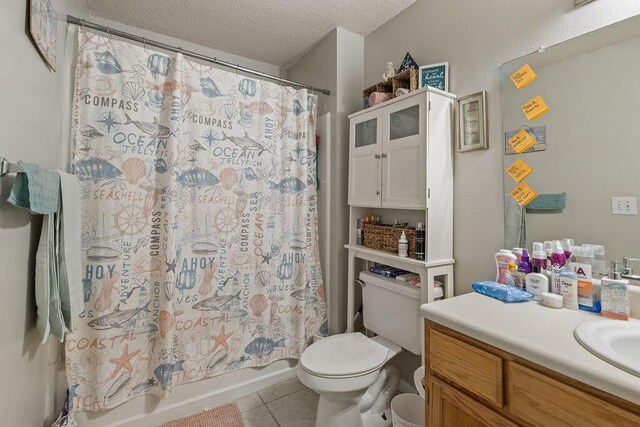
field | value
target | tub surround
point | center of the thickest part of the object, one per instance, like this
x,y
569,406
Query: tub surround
x,y
537,334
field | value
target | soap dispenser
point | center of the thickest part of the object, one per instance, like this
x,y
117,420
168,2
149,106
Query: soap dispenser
x,y
614,294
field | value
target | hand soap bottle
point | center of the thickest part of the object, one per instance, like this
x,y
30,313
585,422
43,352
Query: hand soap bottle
x,y
503,258
614,294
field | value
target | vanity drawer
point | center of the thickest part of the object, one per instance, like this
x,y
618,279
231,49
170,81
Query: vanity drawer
x,y
467,366
544,401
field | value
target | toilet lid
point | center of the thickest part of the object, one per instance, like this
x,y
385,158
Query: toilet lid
x,y
344,355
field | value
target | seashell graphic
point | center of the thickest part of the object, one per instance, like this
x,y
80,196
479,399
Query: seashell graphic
x,y
169,289
133,90
263,278
209,88
133,169
250,174
258,304
166,320
240,259
159,64
229,178
101,85
228,111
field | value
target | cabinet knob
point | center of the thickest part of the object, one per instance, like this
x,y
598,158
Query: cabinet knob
x,y
377,193
377,156
384,156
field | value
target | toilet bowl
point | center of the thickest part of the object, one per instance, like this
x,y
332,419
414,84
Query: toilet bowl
x,y
348,372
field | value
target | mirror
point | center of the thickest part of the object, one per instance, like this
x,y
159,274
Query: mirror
x,y
588,142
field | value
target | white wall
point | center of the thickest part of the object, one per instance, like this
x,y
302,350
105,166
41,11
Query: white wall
x,y
31,123
476,37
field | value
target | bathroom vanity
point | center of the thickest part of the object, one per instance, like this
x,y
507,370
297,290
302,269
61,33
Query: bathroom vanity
x,y
494,364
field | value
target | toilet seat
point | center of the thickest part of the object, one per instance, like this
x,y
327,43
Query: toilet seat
x,y
344,356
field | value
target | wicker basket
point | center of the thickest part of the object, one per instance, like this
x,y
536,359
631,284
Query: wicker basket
x,y
385,238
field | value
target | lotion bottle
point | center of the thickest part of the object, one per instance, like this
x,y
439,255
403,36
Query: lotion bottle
x,y
503,258
403,246
537,283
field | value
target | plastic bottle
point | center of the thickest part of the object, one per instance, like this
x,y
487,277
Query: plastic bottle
x,y
518,253
569,288
583,264
420,241
548,248
525,265
537,283
600,266
558,261
539,257
567,247
503,258
403,246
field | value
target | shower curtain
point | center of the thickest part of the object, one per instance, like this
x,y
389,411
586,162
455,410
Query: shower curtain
x,y
199,223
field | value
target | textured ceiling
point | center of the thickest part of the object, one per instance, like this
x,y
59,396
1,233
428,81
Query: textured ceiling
x,y
273,31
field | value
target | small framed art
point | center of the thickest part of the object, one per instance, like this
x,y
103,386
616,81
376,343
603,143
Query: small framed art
x,y
471,123
435,75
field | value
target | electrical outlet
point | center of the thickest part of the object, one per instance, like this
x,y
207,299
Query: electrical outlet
x,y
624,206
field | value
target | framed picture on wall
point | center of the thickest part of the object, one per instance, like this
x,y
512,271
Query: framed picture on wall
x,y
471,122
435,75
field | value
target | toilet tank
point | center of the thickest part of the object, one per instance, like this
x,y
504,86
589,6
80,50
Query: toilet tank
x,y
391,309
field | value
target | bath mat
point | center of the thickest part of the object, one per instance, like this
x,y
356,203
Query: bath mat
x,y
223,416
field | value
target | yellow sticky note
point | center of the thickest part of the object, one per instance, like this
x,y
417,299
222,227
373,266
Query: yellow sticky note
x,y
523,194
522,141
523,76
519,170
535,108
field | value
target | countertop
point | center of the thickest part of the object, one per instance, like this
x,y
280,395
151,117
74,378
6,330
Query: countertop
x,y
536,333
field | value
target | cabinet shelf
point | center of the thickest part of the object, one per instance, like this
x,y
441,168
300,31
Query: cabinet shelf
x,y
394,260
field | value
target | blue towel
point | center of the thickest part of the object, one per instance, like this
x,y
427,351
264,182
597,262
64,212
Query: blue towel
x,y
548,202
36,189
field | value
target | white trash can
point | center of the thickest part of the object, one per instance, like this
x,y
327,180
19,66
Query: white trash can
x,y
407,410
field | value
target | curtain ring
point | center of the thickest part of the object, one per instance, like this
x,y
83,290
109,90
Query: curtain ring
x,y
144,43
109,32
237,68
81,25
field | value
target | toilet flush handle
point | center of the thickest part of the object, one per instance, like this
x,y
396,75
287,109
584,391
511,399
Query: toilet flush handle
x,y
361,283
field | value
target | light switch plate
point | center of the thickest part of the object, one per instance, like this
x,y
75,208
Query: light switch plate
x,y
624,206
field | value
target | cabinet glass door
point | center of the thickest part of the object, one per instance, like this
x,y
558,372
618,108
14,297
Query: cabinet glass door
x,y
364,159
405,122
366,133
404,154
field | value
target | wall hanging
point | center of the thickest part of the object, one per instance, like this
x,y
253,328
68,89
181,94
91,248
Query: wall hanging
x,y
43,26
471,125
199,237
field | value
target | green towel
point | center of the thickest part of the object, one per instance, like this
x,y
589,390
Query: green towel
x,y
548,202
36,189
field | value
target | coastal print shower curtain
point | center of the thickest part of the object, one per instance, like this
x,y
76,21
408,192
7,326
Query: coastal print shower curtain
x,y
199,223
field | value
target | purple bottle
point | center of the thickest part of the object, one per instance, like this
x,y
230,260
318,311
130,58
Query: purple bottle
x,y
524,266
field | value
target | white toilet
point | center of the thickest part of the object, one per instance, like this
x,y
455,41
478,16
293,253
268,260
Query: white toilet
x,y
348,370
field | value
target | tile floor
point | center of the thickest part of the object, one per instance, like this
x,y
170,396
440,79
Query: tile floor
x,y
286,404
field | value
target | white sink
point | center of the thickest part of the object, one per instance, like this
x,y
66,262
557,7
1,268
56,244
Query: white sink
x,y
614,341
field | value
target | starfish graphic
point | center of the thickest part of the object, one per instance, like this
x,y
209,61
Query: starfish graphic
x,y
266,258
221,339
124,361
171,266
243,358
109,121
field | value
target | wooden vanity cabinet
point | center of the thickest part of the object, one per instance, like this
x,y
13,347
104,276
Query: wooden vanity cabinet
x,y
471,383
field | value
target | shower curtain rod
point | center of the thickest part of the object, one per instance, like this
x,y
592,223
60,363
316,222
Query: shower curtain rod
x,y
196,55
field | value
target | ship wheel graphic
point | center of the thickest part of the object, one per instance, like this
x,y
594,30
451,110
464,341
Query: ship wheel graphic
x,y
226,220
130,220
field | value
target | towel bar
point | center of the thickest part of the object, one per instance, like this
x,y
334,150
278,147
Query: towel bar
x,y
7,167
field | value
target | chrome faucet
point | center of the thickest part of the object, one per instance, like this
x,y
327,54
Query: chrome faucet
x,y
627,271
